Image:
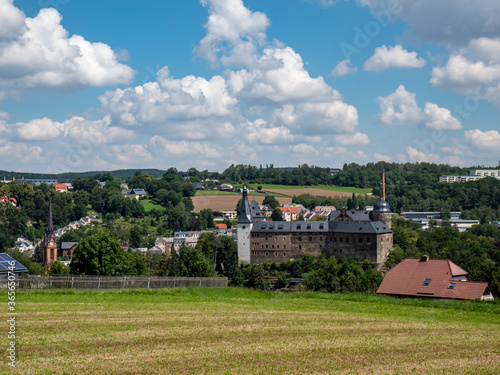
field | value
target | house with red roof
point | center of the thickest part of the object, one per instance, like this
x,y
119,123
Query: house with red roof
x,y
61,188
6,199
432,278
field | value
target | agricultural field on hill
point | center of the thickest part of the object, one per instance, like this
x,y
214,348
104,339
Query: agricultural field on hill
x,y
271,187
228,202
237,331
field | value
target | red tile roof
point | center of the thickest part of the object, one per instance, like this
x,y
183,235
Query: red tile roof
x,y
408,278
60,187
220,226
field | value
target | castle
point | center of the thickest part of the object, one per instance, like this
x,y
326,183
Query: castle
x,y
361,235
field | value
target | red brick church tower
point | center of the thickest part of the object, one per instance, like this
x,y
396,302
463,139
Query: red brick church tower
x,y
49,241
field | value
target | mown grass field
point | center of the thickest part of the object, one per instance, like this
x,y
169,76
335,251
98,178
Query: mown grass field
x,y
239,331
148,205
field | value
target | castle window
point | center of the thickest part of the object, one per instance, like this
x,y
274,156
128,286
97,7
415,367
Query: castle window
x,y
284,238
360,240
267,246
275,254
272,246
280,226
300,247
271,227
334,239
368,240
284,254
340,239
284,246
267,254
310,238
308,226
276,238
266,238
277,246
300,238
321,238
347,239
262,246
321,226
299,226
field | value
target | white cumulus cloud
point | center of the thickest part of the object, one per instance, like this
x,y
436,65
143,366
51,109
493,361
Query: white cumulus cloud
x,y
344,67
485,141
233,32
38,53
399,108
393,57
440,118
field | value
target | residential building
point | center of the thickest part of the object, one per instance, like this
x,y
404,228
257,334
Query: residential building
x,y
474,175
432,278
61,188
67,249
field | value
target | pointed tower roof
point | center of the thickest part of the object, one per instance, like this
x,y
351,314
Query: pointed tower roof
x,y
245,213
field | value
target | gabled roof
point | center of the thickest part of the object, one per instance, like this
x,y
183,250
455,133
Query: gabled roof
x,y
255,211
432,278
358,215
68,245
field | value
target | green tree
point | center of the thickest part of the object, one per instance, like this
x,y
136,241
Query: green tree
x,y
58,268
99,254
276,215
271,201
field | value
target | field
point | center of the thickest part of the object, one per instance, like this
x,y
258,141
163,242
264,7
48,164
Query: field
x,y
238,331
228,201
220,200
148,205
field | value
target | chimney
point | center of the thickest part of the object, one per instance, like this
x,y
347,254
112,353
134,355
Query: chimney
x,y
383,184
424,258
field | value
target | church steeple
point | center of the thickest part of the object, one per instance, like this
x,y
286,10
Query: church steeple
x,y
49,241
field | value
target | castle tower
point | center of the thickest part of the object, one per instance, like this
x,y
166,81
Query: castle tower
x,y
49,241
381,209
245,226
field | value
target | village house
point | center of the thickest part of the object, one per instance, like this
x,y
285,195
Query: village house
x,y
432,278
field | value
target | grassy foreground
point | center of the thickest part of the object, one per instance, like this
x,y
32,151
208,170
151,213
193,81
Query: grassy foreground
x,y
238,331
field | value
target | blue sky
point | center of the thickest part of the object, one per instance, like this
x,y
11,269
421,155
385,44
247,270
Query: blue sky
x,y
101,85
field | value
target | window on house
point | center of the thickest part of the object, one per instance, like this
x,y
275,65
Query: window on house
x,y
368,240
277,246
267,246
284,246
451,286
426,282
340,239
284,238
360,240
300,247
347,239
276,238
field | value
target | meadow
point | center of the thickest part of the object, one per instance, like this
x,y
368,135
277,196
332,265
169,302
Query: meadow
x,y
240,331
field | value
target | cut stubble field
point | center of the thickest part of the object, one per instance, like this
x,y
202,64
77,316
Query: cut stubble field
x,y
239,331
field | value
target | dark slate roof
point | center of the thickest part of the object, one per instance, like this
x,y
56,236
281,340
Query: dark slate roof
x,y
255,211
245,213
354,215
138,191
68,245
374,227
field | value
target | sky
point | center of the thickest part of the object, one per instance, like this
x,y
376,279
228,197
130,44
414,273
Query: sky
x,y
116,84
